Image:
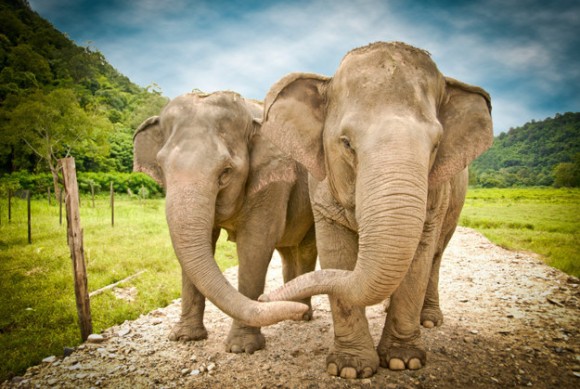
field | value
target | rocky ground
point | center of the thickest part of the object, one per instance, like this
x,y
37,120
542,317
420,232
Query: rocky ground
x,y
510,321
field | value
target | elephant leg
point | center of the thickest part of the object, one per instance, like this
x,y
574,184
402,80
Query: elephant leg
x,y
190,325
251,281
256,240
298,260
353,353
431,314
401,346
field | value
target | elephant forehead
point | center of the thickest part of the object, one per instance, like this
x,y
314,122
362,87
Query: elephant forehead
x,y
199,118
394,74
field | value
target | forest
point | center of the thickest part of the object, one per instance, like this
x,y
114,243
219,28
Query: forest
x,y
539,153
58,99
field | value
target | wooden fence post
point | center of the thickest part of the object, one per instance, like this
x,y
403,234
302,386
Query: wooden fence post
x,y
9,205
29,217
60,207
75,242
92,192
112,205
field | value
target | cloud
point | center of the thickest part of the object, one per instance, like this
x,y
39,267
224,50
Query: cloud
x,y
524,52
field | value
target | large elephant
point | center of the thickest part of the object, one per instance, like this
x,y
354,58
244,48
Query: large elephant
x,y
220,172
387,141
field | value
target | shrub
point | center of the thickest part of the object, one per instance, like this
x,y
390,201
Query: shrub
x,y
122,182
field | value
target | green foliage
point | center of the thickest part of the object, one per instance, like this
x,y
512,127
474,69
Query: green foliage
x,y
43,73
530,155
122,182
542,220
567,174
37,305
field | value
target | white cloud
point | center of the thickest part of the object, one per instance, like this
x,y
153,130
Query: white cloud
x,y
520,54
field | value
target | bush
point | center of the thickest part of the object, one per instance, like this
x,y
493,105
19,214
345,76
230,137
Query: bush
x,y
122,182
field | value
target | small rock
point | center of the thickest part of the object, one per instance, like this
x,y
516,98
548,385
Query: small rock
x,y
52,381
50,359
193,358
95,338
195,372
123,332
67,352
17,379
185,371
211,367
474,332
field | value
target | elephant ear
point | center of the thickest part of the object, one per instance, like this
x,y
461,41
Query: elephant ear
x,y
294,114
147,142
467,129
268,164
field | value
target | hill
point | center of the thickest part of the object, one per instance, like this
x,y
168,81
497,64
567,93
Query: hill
x,y
543,153
40,65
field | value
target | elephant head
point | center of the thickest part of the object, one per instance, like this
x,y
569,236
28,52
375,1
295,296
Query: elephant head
x,y
200,148
386,128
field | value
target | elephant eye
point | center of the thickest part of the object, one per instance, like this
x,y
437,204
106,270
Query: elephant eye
x,y
225,176
346,143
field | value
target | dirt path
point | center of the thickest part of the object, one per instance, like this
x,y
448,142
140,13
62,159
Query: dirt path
x,y
510,321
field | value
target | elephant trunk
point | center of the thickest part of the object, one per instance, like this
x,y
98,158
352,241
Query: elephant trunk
x,y
190,216
390,208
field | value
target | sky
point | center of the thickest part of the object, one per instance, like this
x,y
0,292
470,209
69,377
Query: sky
x,y
525,53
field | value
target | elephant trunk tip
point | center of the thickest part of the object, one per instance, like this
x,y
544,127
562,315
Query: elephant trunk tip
x,y
272,312
327,281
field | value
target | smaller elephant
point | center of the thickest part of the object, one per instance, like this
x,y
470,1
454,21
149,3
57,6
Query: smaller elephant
x,y
387,141
219,172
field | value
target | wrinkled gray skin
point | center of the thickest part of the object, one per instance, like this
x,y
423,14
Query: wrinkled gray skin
x,y
387,141
220,172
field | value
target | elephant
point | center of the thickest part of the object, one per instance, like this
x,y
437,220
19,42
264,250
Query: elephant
x,y
219,172
387,141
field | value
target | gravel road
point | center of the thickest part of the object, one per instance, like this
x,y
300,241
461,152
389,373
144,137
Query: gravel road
x,y
510,321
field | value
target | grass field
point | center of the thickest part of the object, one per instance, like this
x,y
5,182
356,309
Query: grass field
x,y
542,220
38,314
37,307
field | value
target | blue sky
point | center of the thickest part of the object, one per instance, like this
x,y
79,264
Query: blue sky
x,y
525,53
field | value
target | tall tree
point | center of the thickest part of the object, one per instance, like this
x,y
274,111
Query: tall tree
x,y
54,126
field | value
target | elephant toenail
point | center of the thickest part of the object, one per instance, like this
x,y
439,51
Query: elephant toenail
x,y
428,324
415,364
348,373
332,369
366,372
396,364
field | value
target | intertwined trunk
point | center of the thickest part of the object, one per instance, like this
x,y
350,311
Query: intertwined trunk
x,y
390,209
190,216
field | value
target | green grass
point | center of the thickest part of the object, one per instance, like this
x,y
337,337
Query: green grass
x,y
37,307
542,220
38,314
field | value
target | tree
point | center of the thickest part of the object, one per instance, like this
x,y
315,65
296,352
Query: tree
x,y
567,174
54,126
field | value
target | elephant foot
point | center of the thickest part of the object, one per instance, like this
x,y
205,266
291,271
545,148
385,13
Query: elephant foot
x,y
431,317
351,366
402,355
244,339
187,332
